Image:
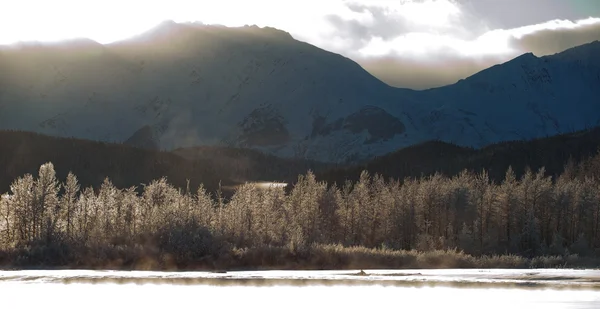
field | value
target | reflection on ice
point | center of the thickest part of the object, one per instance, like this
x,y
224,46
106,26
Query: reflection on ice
x,y
301,289
554,278
15,295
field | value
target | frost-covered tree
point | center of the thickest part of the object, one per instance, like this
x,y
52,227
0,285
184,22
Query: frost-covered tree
x,y
107,198
46,209
6,221
530,237
204,210
68,201
303,208
157,203
530,216
466,240
87,217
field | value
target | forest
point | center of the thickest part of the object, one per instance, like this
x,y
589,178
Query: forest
x,y
23,152
464,220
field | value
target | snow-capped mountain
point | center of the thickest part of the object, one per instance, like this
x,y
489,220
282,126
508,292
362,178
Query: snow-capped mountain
x,y
181,85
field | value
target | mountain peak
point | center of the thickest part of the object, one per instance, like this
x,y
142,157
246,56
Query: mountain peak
x,y
170,29
164,29
526,57
276,31
267,31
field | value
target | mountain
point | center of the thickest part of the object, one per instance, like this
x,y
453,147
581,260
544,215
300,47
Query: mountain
x,y
553,153
188,85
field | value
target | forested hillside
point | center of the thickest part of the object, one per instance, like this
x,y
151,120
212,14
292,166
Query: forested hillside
x,y
247,165
126,166
552,153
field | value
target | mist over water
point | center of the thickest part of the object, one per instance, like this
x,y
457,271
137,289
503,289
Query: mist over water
x,y
15,295
92,289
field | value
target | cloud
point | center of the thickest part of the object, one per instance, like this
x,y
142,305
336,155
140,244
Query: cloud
x,y
414,44
377,22
551,41
446,65
392,43
410,73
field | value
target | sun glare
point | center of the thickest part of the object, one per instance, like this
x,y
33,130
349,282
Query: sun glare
x,y
428,23
430,13
111,20
103,21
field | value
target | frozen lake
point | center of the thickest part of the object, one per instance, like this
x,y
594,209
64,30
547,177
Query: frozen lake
x,y
475,288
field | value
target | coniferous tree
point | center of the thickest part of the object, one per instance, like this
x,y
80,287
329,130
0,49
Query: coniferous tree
x,y
346,215
6,220
46,209
557,245
23,199
360,200
204,210
466,239
69,199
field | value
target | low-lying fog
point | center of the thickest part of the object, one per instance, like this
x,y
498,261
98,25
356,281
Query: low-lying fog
x,y
475,288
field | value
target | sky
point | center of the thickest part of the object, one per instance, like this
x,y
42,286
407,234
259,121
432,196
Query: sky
x,y
406,43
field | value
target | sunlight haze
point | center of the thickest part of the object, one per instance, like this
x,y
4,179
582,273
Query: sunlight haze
x,y
476,34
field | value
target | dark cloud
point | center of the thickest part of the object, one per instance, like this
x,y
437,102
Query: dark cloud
x,y
384,25
547,42
358,35
387,24
408,73
508,14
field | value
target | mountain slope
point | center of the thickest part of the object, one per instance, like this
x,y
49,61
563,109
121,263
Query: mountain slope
x,y
552,153
524,98
186,85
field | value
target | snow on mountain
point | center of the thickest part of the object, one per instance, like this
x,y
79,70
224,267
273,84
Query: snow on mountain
x,y
181,85
524,98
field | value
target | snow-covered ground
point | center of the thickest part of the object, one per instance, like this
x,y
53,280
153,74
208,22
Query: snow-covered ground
x,y
556,278
475,288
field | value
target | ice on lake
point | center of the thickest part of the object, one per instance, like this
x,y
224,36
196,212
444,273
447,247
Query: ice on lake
x,y
474,288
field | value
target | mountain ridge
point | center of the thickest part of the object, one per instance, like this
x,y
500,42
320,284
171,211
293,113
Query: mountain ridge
x,y
192,85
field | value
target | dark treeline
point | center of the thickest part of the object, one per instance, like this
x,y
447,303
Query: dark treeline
x,y
92,162
46,222
23,153
246,165
429,158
